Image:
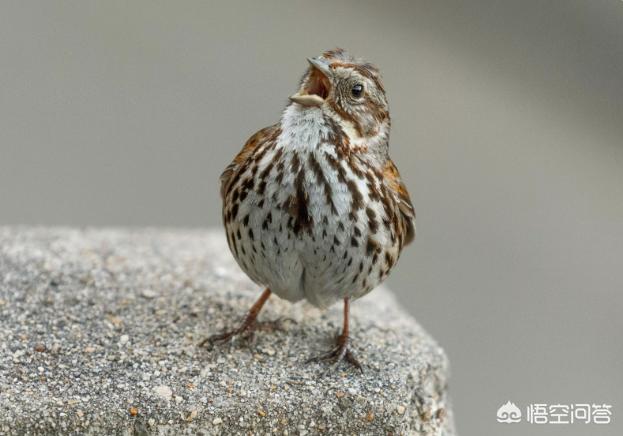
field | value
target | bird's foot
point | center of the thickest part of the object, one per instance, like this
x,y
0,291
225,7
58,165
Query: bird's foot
x,y
246,330
337,354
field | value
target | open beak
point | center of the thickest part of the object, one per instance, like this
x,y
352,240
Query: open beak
x,y
316,88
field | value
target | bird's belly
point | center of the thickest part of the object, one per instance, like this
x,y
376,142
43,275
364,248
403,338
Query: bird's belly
x,y
305,241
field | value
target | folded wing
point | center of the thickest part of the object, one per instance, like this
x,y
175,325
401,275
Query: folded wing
x,y
242,158
393,181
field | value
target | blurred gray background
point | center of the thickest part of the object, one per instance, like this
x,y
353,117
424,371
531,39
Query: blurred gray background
x,y
507,127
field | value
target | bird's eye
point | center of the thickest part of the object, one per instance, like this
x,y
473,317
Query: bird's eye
x,y
357,90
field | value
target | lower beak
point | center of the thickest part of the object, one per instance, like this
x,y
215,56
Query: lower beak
x,y
307,99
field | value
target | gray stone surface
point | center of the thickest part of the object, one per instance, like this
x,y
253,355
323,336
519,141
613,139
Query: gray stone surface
x,y
98,333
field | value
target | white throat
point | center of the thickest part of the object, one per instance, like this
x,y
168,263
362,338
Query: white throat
x,y
304,127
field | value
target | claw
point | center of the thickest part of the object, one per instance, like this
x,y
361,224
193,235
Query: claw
x,y
340,352
246,331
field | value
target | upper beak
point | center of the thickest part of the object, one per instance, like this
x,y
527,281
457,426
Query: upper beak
x,y
317,87
321,65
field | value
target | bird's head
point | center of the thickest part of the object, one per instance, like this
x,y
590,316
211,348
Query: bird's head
x,y
347,89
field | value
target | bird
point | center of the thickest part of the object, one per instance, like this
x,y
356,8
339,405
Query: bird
x,y
313,207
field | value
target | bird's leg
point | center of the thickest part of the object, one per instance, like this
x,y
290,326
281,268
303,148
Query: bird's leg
x,y
341,351
248,325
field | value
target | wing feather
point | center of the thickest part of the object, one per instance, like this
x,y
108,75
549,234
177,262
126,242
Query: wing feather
x,y
405,206
230,172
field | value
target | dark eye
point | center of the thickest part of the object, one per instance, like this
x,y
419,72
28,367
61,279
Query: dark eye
x,y
357,90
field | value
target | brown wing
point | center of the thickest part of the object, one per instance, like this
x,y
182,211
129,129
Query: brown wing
x,y
407,211
242,157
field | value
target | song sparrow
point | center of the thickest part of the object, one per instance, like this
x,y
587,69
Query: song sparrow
x,y
313,206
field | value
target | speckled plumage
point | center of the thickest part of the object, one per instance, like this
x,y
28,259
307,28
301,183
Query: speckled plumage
x,y
313,207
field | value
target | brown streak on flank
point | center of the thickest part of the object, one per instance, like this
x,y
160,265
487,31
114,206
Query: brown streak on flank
x,y
357,198
234,211
373,225
372,246
385,201
389,260
373,192
230,177
234,243
354,166
320,177
335,164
